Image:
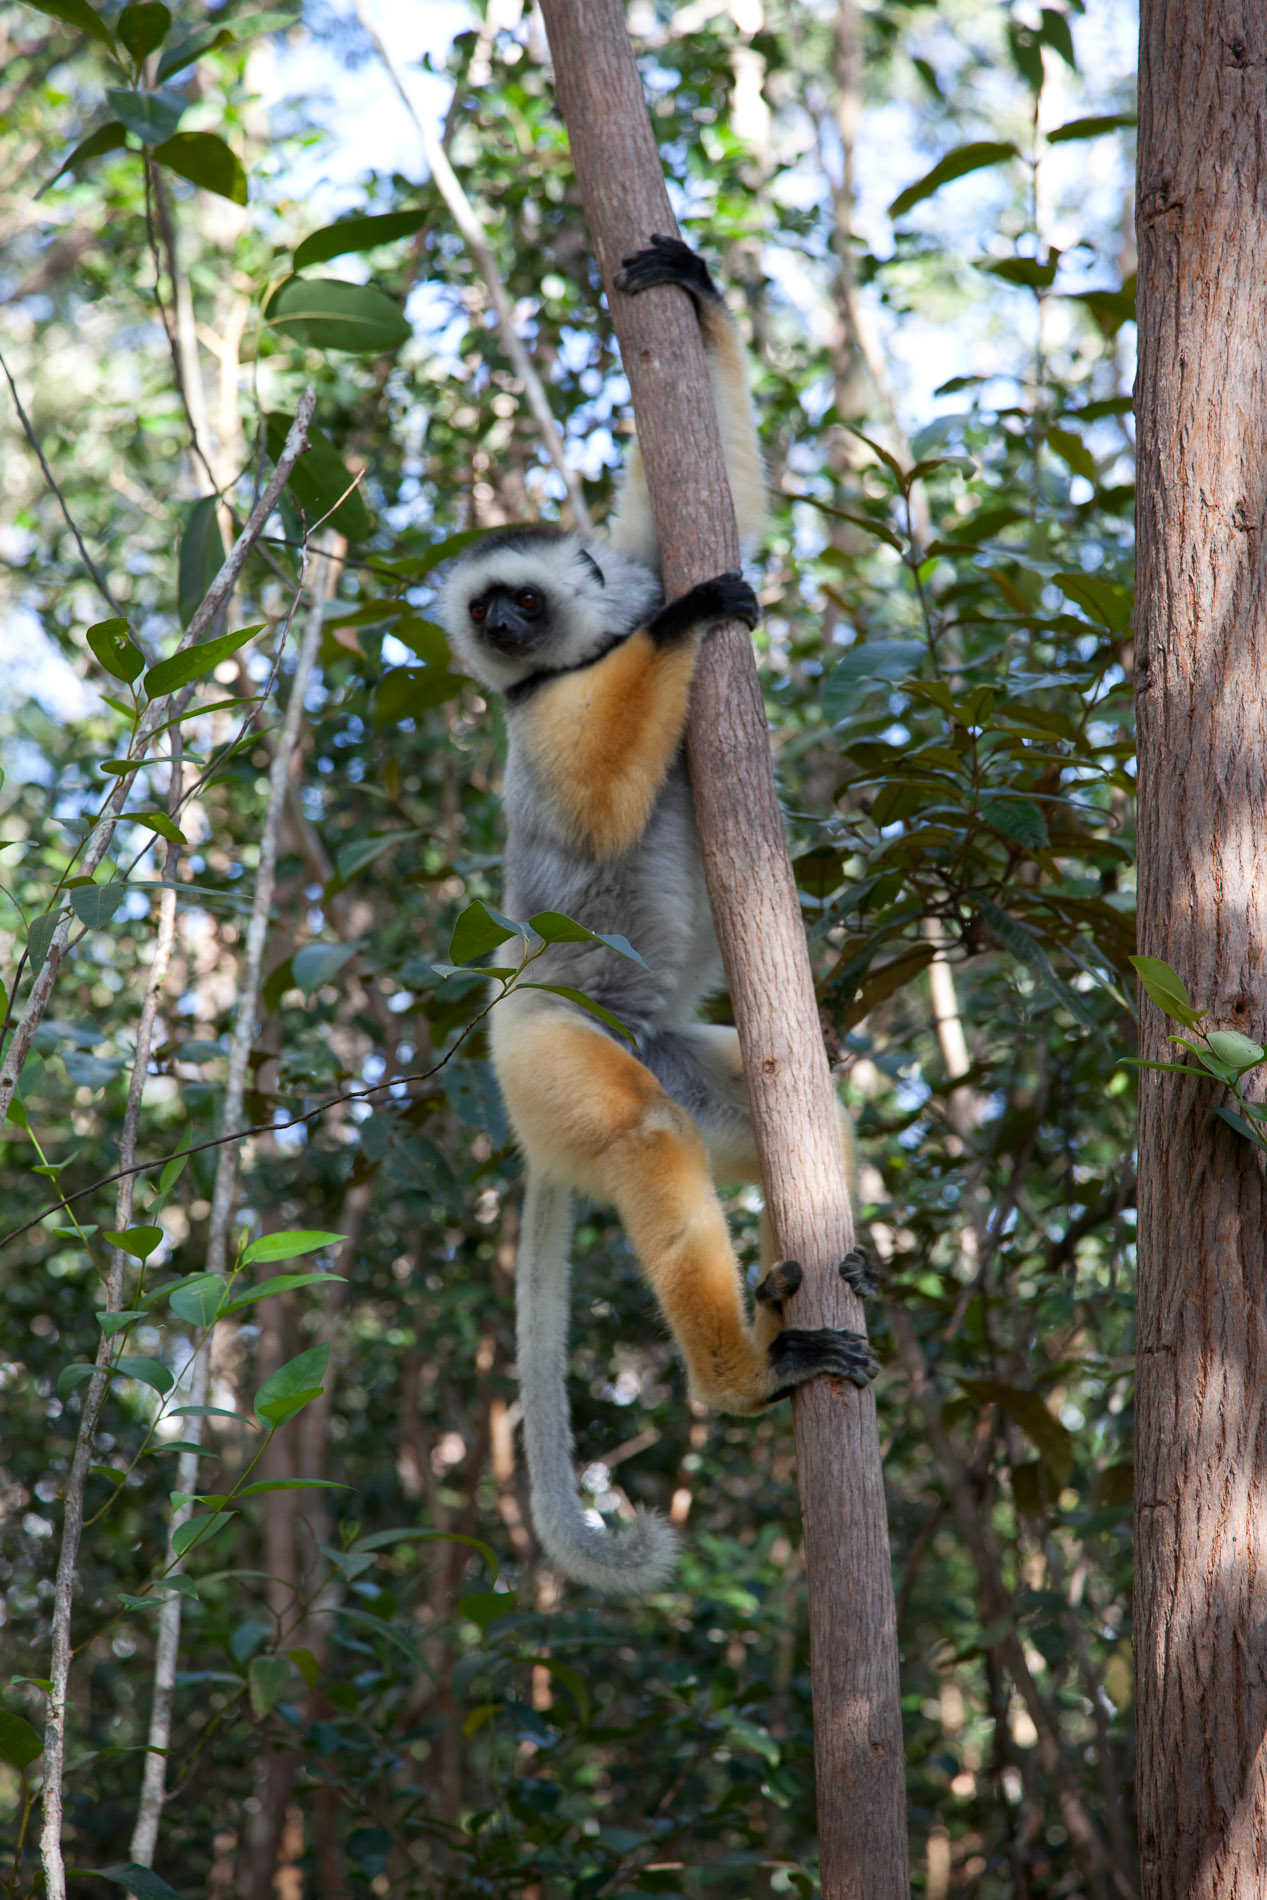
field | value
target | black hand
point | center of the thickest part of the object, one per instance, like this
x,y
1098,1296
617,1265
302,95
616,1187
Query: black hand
x,y
667,261
726,597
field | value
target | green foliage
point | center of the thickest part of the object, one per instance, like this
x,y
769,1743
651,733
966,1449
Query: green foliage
x,y
944,656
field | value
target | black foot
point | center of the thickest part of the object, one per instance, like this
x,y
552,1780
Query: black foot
x,y
779,1284
667,261
797,1356
857,1270
725,597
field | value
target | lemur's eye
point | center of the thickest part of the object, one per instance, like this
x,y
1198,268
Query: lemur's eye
x,y
529,602
478,611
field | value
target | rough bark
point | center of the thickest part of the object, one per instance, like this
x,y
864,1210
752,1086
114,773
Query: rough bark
x,y
858,1740
1201,692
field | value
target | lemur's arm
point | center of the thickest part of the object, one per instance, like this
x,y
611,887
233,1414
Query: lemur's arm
x,y
600,740
632,526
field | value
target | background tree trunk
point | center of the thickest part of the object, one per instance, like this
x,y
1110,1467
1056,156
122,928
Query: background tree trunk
x,y
1201,687
857,1723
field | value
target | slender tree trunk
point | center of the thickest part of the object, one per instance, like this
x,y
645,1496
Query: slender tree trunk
x,y
857,1726
1201,692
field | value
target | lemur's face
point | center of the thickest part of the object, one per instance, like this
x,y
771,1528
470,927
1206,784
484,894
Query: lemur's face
x,y
512,621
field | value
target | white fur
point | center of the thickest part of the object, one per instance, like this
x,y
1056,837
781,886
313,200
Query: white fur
x,y
625,1563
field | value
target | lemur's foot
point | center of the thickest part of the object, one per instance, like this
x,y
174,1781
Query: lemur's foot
x,y
779,1284
858,1271
796,1356
667,261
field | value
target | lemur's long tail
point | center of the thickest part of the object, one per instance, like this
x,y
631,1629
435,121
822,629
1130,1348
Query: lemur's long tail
x,y
629,1562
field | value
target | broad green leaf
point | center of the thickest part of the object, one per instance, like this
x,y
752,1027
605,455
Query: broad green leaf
x,y
148,116
1109,309
71,1376
1166,988
145,1371
1026,271
957,164
40,936
354,857
143,27
293,1385
385,1540
192,662
172,1173
112,1323
1091,128
357,234
1073,452
95,904
1241,1126
290,1246
573,1681
327,314
199,1299
1102,601
306,1663
291,1484
201,556
209,1411
110,642
320,482
319,963
1018,820
77,13
478,931
268,1677
19,1744
206,161
158,821
406,692
282,1283
586,1003
424,638
106,138
553,927
1025,947
139,1242
836,557
204,40
199,1530
485,1606
862,667
1050,1438
1235,1050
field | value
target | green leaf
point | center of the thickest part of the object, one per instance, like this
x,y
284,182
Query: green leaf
x,y
19,1744
553,927
142,28
112,1323
1235,1050
158,821
1166,988
864,666
478,931
201,556
71,1376
138,1242
1073,451
1018,820
358,234
110,642
40,936
1241,1126
1102,601
290,1246
106,138
148,116
293,1385
306,1663
192,662
1057,35
406,692
385,1540
145,1371
1025,947
282,1283
211,39
268,1677
957,164
205,160
1091,128
327,314
319,481
291,1484
199,1299
77,13
209,1411
586,1003
1168,1068
172,1173
319,963
485,1606
1026,271
199,1530
573,1681
1051,1439
354,857
95,904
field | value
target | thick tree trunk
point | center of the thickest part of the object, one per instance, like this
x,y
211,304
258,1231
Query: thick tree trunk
x,y
1201,1483
857,1726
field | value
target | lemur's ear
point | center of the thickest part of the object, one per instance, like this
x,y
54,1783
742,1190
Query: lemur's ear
x,y
584,554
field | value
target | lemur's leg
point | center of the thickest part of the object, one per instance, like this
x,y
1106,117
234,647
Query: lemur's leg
x,y
700,1067
589,1114
670,261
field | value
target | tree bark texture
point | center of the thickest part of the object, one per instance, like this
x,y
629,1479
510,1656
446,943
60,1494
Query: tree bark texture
x,y
1201,691
857,1723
